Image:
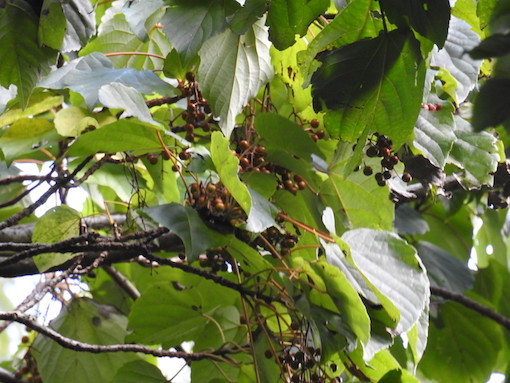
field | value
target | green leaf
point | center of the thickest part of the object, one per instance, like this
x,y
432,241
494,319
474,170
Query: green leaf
x,y
418,336
138,15
39,103
262,213
467,340
383,93
227,167
23,60
189,24
357,201
117,95
286,19
475,152
139,371
27,135
243,18
176,67
232,70
55,225
434,134
201,312
354,23
86,75
346,299
493,46
135,136
81,24
409,221
89,322
454,59
430,18
115,35
280,133
392,267
71,121
443,269
187,224
52,25
491,104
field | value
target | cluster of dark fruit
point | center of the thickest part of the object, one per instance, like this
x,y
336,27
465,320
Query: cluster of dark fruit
x,y
497,198
28,369
153,158
272,239
252,158
215,202
316,134
217,259
381,146
197,113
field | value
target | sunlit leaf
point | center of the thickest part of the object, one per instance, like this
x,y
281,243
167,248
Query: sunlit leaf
x,y
81,24
71,121
392,267
232,70
52,24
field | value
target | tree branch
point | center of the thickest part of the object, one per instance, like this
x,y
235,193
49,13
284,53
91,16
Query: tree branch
x,y
471,304
8,377
99,349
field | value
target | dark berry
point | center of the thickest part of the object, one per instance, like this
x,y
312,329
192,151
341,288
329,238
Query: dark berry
x,y
393,159
268,354
367,170
165,155
189,127
384,152
386,175
153,159
315,123
243,144
379,177
315,137
301,185
381,183
320,133
372,151
406,177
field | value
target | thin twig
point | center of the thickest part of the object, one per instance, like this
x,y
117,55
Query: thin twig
x,y
75,345
472,305
122,281
8,377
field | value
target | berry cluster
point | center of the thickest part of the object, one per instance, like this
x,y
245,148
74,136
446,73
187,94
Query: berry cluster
x,y
273,239
432,107
315,133
28,368
381,146
215,202
252,157
197,113
217,259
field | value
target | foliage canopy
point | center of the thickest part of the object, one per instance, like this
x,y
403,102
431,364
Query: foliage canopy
x,y
295,187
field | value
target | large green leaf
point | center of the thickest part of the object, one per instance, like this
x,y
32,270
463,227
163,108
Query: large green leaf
x,y
55,225
443,269
434,134
468,341
347,300
168,315
39,103
86,75
27,135
189,24
356,22
89,322
453,57
52,24
286,19
139,371
187,224
430,18
23,60
227,166
358,201
232,70
135,136
81,24
71,121
138,15
392,267
475,152
115,35
376,84
117,95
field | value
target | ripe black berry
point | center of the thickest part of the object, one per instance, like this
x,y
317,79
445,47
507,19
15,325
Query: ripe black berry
x,y
379,177
406,177
372,151
153,159
386,175
381,183
190,76
367,170
314,123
